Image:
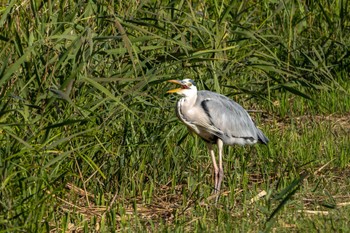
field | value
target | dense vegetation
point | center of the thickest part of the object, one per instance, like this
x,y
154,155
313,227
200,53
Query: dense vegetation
x,y
89,140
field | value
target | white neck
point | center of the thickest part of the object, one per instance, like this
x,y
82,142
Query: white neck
x,y
187,102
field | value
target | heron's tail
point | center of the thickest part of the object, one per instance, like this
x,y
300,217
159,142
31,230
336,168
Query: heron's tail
x,y
262,138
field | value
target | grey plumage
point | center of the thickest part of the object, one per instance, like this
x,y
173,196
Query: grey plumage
x,y
217,120
225,119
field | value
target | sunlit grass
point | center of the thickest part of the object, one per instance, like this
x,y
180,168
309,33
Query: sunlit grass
x,y
89,140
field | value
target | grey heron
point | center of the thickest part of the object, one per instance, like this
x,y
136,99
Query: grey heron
x,y
217,120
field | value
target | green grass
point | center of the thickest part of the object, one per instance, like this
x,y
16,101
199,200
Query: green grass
x,y
89,140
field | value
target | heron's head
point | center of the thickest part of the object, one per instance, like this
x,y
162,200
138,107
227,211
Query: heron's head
x,y
188,87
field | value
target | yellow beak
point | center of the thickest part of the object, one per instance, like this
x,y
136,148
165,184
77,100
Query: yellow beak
x,y
177,89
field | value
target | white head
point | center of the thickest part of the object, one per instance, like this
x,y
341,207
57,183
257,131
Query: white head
x,y
188,87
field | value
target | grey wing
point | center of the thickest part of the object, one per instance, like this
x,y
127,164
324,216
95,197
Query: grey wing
x,y
228,120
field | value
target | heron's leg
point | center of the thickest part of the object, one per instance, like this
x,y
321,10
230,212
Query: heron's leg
x,y
221,169
216,169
